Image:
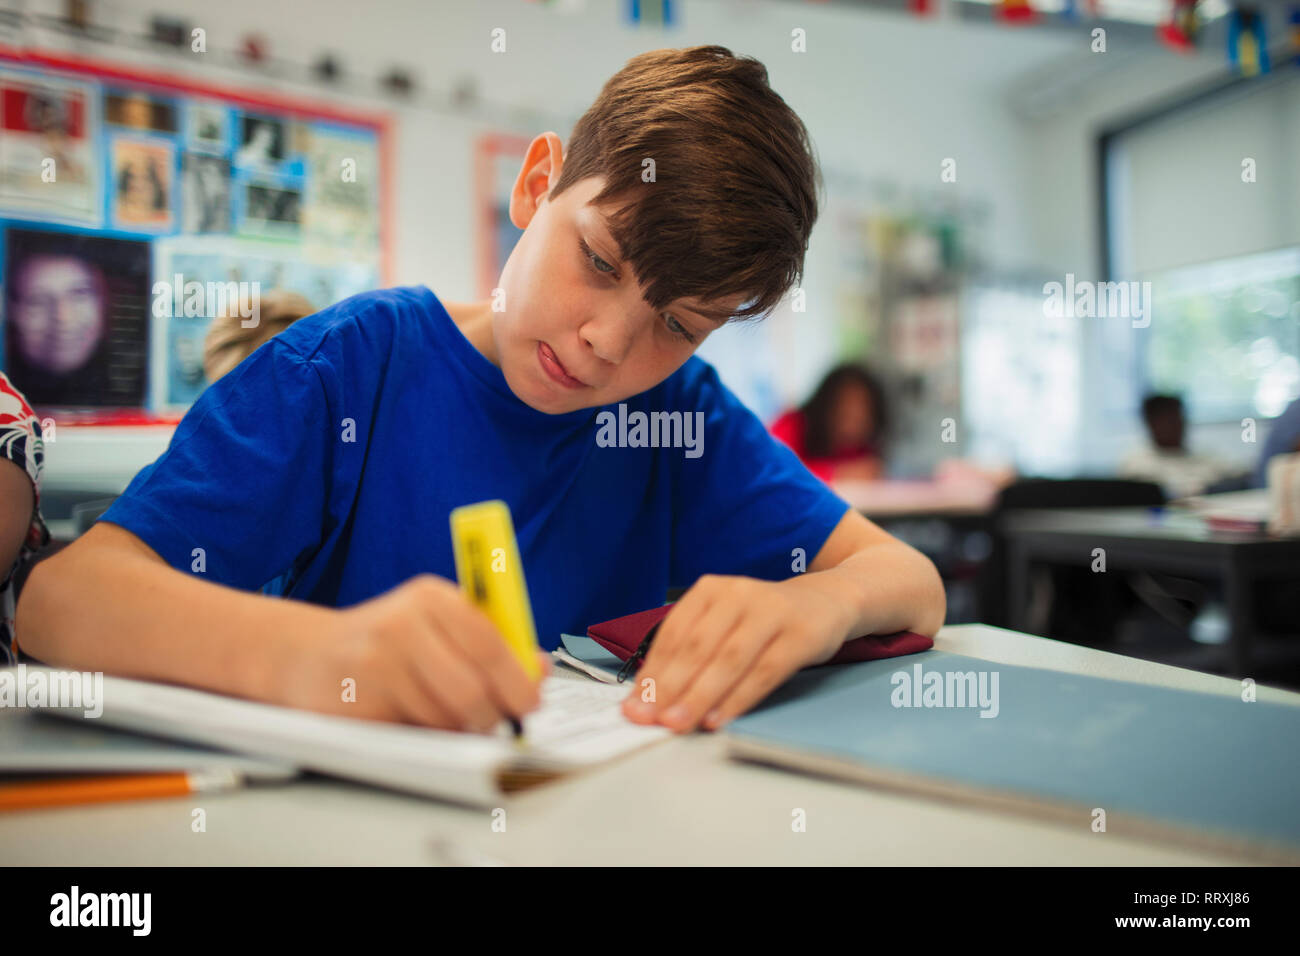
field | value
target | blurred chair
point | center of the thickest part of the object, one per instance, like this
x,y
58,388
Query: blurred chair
x,y
1074,604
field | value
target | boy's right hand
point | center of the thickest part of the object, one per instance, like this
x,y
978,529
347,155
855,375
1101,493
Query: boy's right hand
x,y
419,654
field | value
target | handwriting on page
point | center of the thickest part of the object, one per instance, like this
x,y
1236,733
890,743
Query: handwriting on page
x,y
580,722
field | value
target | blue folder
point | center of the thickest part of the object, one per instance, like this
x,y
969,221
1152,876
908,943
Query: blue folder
x,y
1167,764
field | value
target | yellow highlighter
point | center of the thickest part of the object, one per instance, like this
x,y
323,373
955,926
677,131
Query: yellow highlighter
x,y
491,574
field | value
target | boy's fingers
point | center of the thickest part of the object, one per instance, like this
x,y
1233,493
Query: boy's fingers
x,y
692,657
730,664
768,672
478,641
677,623
451,680
416,705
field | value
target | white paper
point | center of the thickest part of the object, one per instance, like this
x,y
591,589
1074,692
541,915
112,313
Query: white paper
x,y
591,670
578,724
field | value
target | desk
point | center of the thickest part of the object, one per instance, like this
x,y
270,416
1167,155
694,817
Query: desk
x,y
1142,540
892,498
946,520
676,802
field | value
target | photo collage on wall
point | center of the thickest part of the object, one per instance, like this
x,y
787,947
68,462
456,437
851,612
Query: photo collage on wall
x,y
112,195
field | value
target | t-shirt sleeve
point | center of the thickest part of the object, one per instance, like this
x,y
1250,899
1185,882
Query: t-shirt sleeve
x,y
240,494
746,505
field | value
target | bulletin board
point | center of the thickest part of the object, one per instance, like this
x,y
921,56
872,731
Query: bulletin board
x,y
134,206
497,159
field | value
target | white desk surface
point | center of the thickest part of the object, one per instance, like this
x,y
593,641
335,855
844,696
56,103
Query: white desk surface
x,y
677,802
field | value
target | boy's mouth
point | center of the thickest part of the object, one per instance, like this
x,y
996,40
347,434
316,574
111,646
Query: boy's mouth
x,y
554,368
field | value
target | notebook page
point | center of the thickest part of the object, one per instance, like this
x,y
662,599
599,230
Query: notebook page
x,y
581,723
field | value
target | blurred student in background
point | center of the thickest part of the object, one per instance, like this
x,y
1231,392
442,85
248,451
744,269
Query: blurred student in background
x,y
1166,460
839,432
1283,439
22,532
228,343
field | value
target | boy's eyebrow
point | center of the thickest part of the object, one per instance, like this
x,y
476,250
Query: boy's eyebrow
x,y
717,317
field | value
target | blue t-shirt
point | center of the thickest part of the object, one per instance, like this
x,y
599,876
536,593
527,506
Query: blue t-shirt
x,y
331,458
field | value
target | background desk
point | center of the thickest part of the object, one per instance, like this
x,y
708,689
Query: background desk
x,y
894,498
947,521
1136,539
677,802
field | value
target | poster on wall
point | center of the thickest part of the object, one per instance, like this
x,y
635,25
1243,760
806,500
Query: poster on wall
x,y
205,193
208,128
140,111
142,184
49,163
76,314
263,142
342,195
115,193
499,157
214,275
270,207
181,322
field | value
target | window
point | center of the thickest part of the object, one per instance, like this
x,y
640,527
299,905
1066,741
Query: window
x,y
1227,336
1020,379
1202,200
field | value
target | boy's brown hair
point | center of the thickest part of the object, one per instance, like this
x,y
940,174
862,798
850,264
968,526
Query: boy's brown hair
x,y
735,191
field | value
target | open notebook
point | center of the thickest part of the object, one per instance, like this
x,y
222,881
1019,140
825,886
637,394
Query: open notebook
x,y
579,724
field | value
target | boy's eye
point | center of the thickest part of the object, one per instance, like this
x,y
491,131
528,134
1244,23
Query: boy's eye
x,y
674,327
677,329
596,261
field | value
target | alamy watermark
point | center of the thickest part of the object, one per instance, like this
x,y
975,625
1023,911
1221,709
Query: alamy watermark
x,y
946,689
45,687
654,430
1098,300
196,299
75,908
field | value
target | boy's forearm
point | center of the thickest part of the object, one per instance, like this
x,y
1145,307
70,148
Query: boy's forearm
x,y
887,587
121,612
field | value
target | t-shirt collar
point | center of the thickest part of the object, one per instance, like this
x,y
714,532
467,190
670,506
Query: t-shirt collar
x,y
491,376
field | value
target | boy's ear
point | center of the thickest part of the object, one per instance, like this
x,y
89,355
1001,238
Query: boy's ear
x,y
537,176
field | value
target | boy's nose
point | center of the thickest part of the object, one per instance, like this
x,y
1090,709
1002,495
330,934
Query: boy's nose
x,y
609,337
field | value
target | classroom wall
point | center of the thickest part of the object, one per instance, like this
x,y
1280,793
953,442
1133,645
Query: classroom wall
x,y
873,105
884,96
876,106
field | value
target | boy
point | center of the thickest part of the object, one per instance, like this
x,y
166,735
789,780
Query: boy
x,y
1166,459
334,454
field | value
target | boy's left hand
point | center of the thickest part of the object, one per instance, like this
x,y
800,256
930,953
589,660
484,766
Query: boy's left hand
x,y
729,642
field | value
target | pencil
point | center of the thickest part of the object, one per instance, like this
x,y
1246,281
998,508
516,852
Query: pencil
x,y
130,786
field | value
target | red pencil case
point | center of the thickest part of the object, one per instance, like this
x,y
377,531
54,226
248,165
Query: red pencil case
x,y
629,637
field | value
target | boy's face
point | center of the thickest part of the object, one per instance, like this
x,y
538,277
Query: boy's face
x,y
575,331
